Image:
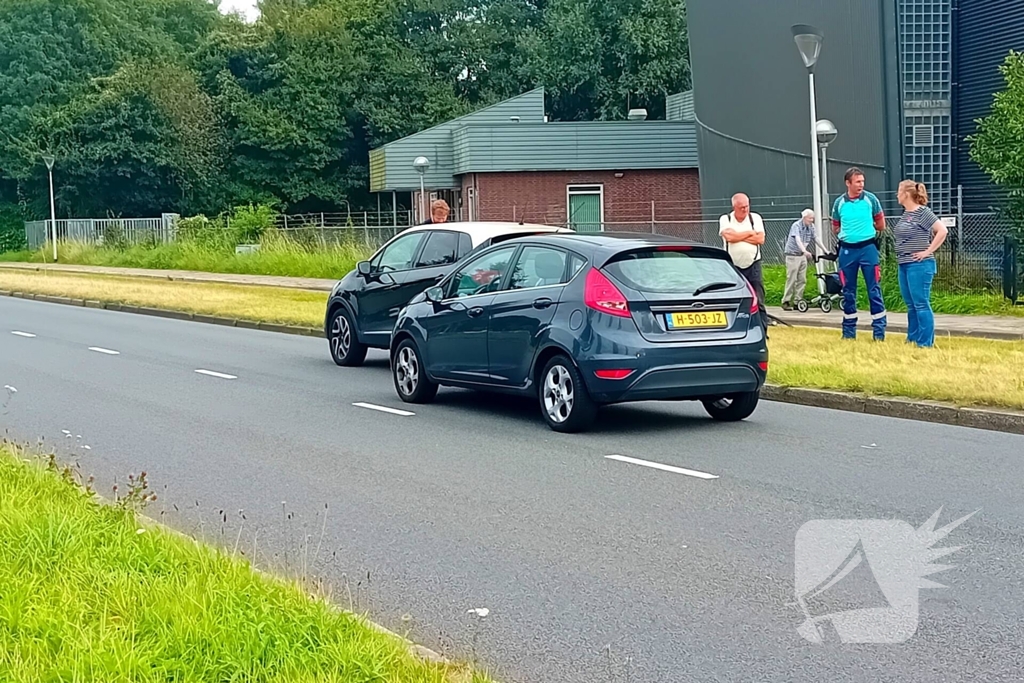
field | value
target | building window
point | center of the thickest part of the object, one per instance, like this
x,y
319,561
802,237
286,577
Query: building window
x,y
585,205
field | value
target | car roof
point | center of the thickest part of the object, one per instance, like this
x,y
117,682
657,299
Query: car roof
x,y
481,231
601,246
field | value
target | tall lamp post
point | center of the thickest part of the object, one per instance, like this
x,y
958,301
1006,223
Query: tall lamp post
x,y
827,133
808,42
48,160
421,164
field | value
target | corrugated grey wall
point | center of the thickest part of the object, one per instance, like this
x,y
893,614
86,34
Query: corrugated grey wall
x,y
751,94
679,107
586,145
986,31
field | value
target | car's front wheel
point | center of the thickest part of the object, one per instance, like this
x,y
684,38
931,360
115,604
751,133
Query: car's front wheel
x,y
732,408
411,381
564,401
346,350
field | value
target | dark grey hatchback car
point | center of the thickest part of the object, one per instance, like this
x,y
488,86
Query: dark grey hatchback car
x,y
585,320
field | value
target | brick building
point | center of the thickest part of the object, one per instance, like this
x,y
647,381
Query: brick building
x,y
507,162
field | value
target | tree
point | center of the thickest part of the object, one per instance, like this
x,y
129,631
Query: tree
x,y
998,145
599,58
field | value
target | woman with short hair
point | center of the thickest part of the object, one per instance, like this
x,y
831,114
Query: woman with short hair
x,y
919,234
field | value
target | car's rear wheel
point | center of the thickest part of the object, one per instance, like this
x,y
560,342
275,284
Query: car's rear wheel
x,y
411,381
564,401
732,408
346,350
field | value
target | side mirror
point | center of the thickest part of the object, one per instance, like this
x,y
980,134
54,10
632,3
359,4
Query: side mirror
x,y
434,295
363,267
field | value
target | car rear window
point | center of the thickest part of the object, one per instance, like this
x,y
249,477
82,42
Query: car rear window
x,y
671,271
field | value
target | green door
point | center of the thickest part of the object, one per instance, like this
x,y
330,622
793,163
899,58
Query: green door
x,y
585,212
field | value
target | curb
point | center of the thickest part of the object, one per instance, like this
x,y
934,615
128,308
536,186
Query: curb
x,y
921,411
902,329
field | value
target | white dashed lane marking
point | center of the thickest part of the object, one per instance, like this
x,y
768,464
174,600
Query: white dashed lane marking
x,y
664,468
219,375
27,335
384,409
108,352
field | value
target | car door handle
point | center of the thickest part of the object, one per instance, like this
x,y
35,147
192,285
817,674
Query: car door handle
x,y
542,303
475,312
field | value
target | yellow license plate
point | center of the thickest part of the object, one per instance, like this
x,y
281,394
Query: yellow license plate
x,y
678,321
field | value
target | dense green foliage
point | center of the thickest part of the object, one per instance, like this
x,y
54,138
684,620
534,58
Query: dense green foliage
x,y
998,146
155,106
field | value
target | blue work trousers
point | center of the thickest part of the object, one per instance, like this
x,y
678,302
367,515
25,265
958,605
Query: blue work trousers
x,y
866,261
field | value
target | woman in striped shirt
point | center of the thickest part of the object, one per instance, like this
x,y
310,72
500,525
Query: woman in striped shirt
x,y
919,234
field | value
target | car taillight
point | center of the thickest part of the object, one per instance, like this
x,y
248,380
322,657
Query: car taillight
x,y
763,366
600,294
613,374
753,295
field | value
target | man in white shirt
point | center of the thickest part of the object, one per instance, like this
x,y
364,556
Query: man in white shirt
x,y
743,233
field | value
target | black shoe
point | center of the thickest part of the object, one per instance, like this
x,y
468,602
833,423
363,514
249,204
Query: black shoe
x,y
786,306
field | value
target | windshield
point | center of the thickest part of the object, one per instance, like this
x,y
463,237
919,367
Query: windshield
x,y
672,271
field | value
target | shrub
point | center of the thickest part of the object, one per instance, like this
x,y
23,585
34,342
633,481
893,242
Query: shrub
x,y
12,228
249,223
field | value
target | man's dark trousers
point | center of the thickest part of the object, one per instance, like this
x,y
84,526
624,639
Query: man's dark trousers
x,y
862,258
756,280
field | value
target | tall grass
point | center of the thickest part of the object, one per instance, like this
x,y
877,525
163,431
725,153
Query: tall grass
x,y
276,256
91,594
209,245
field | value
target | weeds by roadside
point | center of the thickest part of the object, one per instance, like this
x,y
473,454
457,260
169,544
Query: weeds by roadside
x,y
119,599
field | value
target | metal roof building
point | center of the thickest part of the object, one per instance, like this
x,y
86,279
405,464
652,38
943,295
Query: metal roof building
x,y
508,162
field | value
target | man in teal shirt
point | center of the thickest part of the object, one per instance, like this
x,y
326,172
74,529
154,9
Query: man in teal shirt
x,y
858,219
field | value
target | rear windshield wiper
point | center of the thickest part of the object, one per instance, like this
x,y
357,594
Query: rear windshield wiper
x,y
713,286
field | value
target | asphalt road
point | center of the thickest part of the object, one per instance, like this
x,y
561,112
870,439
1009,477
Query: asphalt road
x,y
593,569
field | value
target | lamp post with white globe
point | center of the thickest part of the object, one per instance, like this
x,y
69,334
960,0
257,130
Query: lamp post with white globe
x,y
808,42
826,133
422,164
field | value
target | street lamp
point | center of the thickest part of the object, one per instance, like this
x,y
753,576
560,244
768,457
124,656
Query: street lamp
x,y
421,164
808,42
48,160
826,133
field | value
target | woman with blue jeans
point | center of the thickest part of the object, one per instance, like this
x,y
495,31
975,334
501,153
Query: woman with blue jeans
x,y
919,234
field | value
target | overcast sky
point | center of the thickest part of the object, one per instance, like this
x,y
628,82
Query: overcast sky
x,y
246,7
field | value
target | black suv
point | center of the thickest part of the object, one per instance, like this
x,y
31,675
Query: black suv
x,y
363,306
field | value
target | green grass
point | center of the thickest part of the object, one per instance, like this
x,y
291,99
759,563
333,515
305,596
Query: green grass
x,y
85,595
943,301
279,257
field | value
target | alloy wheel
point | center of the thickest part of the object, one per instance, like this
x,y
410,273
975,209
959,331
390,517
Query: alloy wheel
x,y
341,336
559,394
407,371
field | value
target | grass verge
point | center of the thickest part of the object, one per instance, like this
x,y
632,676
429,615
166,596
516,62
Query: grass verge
x,y
265,304
90,594
966,372
275,257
